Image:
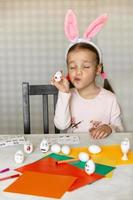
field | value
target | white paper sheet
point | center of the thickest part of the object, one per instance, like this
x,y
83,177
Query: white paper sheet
x,y
63,139
11,140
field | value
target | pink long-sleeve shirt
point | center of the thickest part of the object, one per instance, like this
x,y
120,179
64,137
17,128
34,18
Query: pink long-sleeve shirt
x,y
72,109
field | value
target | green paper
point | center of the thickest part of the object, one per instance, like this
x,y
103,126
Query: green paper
x,y
100,169
103,169
58,156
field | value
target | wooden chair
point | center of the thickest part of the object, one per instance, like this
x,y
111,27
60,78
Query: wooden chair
x,y
44,91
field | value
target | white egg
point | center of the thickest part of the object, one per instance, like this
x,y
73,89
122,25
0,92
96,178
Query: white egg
x,y
44,146
94,149
19,157
83,156
65,149
55,148
57,76
90,167
28,147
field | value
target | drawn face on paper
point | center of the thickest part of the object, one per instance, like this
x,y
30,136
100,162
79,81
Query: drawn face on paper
x,y
19,157
90,167
44,146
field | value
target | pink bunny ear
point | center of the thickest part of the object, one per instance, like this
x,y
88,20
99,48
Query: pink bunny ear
x,y
70,26
95,27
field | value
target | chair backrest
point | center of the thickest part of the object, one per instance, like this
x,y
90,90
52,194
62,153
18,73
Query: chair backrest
x,y
45,91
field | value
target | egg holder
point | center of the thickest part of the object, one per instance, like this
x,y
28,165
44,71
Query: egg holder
x,y
125,146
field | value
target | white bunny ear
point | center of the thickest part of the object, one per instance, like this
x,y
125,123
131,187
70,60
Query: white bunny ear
x,y
95,27
70,26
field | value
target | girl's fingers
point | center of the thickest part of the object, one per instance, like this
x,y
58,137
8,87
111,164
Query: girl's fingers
x,y
98,133
101,135
62,85
91,129
52,81
94,133
105,135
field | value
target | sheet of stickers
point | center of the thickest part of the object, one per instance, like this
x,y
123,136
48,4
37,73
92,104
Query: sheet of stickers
x,y
11,140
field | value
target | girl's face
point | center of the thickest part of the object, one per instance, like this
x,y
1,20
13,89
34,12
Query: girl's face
x,y
82,68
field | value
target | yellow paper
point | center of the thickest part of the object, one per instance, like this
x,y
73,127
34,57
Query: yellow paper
x,y
110,155
104,160
114,153
76,150
109,175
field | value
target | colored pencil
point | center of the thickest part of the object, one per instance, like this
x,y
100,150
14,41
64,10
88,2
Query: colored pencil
x,y
75,125
4,170
67,161
9,177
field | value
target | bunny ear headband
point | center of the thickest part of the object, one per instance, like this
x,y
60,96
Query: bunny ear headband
x,y
72,32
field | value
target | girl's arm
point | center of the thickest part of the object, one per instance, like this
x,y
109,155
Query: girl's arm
x,y
62,118
115,125
115,122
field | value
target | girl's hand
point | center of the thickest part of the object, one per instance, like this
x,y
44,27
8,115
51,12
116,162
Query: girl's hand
x,y
62,85
101,131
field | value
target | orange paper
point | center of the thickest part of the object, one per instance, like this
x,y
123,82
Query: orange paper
x,y
41,184
49,165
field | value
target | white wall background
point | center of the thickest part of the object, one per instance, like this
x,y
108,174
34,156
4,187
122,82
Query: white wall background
x,y
32,48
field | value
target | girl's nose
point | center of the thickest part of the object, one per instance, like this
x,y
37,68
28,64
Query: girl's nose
x,y
79,70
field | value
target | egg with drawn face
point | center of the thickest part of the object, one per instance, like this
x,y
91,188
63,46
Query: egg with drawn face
x,y
28,147
44,146
19,157
90,167
57,76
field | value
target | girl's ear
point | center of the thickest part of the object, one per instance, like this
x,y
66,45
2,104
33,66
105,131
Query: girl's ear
x,y
99,69
70,26
95,27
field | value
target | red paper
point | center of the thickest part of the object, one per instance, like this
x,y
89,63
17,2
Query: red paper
x,y
49,165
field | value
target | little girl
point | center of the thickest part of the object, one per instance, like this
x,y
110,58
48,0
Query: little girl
x,y
86,107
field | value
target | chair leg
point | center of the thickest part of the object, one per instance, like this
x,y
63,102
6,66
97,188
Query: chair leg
x,y
45,114
26,107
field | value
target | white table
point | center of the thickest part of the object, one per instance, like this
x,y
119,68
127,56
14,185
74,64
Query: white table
x,y
119,187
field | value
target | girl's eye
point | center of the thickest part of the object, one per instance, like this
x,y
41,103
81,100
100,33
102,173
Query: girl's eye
x,y
86,66
71,67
